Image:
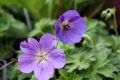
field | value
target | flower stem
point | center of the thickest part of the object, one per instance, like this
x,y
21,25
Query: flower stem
x,y
115,28
50,9
75,4
57,43
93,47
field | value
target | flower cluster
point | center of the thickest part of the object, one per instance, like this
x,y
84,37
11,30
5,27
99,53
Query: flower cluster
x,y
42,57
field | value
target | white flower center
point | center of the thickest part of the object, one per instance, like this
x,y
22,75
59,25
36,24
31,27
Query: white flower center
x,y
41,56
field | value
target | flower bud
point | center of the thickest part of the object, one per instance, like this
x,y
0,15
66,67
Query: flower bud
x,y
108,16
104,13
86,37
118,51
84,43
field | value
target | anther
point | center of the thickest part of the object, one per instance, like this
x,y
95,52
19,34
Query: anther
x,y
66,27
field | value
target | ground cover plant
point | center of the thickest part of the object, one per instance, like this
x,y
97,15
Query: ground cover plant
x,y
62,45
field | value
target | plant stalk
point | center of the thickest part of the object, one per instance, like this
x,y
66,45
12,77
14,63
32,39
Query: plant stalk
x,y
57,43
115,28
75,4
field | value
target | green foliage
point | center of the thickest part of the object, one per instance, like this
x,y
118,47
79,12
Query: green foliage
x,y
46,24
29,4
23,76
5,46
65,47
19,52
101,66
95,27
33,78
79,60
16,74
12,27
97,58
5,21
94,64
18,29
68,76
79,1
116,76
23,3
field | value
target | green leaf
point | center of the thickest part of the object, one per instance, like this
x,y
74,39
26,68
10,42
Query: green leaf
x,y
79,1
22,76
112,40
69,76
23,3
71,67
12,27
65,47
41,3
95,77
18,29
40,25
29,4
6,2
102,65
95,27
33,78
34,33
101,58
19,52
79,61
5,21
116,76
63,73
106,71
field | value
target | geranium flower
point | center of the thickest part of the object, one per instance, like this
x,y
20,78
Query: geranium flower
x,y
41,57
70,27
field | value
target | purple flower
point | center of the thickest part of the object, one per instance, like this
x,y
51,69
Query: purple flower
x,y
70,27
41,57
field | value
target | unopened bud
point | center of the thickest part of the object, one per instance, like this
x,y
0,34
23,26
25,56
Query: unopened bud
x,y
84,43
108,16
86,36
104,13
118,51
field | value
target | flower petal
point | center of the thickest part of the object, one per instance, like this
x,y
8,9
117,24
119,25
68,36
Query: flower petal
x,y
68,15
69,37
27,63
57,58
74,18
62,19
31,47
48,42
26,48
79,26
34,44
44,71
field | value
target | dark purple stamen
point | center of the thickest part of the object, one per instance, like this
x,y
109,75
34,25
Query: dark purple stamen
x,y
66,27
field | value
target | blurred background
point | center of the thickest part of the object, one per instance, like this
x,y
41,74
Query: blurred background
x,y
21,19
